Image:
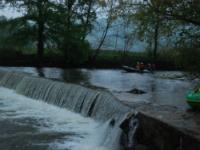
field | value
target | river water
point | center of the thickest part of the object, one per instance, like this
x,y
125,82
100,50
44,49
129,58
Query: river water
x,y
161,87
27,124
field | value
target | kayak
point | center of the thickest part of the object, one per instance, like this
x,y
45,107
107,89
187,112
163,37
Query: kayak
x,y
193,99
131,69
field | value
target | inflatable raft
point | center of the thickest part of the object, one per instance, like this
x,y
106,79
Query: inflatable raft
x,y
131,69
193,99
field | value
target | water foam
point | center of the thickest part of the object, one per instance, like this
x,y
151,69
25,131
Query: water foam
x,y
86,134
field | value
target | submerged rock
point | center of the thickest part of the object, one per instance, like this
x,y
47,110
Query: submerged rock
x,y
137,91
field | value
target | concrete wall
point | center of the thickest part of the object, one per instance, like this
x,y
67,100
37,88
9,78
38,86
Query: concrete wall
x,y
157,135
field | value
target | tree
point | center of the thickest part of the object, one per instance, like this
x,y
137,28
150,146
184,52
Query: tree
x,y
108,10
60,24
89,18
126,25
129,33
34,21
187,14
187,11
184,14
72,29
150,24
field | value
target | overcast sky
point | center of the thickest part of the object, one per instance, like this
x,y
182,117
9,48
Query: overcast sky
x,y
9,12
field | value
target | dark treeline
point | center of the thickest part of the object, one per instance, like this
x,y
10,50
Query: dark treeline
x,y
56,31
48,24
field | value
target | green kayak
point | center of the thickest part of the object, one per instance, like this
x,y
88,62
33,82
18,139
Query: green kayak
x,y
193,99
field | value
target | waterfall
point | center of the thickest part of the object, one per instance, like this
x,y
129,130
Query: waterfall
x,y
99,105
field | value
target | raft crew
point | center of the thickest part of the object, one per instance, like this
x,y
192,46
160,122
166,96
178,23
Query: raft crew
x,y
140,66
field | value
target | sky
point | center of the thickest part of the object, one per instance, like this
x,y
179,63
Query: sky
x,y
9,12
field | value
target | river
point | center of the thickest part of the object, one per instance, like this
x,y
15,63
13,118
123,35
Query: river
x,y
27,124
161,87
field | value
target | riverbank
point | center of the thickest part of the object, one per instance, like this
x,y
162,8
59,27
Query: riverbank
x,y
106,59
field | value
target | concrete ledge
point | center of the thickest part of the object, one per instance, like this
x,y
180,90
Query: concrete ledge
x,y
155,134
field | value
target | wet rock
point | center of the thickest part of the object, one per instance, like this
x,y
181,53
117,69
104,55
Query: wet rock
x,y
129,127
137,91
112,122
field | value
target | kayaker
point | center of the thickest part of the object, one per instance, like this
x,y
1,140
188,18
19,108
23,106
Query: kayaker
x,y
197,90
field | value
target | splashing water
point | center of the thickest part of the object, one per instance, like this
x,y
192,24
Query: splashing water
x,y
72,131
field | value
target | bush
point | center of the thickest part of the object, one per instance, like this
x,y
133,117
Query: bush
x,y
76,52
9,53
188,58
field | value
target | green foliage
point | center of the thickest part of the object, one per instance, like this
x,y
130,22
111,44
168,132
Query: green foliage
x,y
177,22
186,11
76,52
188,58
60,29
54,25
9,53
118,57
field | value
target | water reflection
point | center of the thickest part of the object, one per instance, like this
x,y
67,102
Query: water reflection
x,y
164,88
40,72
75,76
69,75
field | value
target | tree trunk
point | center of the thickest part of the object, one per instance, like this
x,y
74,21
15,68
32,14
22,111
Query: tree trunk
x,y
156,36
40,36
40,46
97,51
86,24
105,32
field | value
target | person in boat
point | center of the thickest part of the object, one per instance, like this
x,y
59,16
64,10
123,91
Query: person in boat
x,y
137,66
149,67
142,67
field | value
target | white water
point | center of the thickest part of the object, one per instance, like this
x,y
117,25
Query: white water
x,y
87,134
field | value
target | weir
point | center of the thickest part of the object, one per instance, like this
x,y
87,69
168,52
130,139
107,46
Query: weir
x,y
125,129
102,106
